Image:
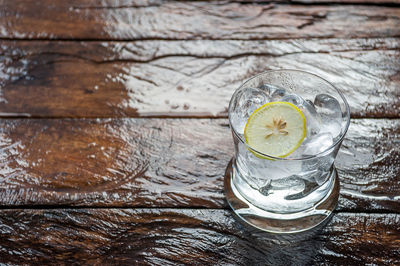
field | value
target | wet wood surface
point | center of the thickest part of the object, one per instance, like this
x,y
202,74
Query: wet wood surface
x,y
114,135
185,78
119,20
169,163
203,237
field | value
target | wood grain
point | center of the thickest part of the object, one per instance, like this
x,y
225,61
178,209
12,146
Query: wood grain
x,y
168,163
192,20
201,237
185,78
117,61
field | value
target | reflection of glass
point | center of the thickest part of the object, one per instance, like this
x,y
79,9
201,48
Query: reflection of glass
x,y
299,191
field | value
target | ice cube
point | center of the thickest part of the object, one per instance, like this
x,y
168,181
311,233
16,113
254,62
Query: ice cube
x,y
331,114
251,99
318,143
298,153
238,122
327,105
277,94
281,169
293,99
316,169
324,168
313,119
291,184
308,174
332,127
248,100
267,89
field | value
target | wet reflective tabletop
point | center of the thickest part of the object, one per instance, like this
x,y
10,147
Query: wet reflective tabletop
x,y
114,135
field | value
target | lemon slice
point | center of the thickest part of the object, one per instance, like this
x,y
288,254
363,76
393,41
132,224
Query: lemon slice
x,y
276,129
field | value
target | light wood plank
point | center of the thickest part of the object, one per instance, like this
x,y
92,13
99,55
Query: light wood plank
x,y
168,163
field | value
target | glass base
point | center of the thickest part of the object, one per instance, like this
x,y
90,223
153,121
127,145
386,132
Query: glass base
x,y
281,222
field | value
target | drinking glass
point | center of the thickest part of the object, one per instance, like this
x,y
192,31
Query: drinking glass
x,y
300,191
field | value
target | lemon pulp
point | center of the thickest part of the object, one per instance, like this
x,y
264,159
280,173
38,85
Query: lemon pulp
x,y
276,129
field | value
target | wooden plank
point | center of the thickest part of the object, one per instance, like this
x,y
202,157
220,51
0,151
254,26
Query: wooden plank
x,y
371,146
185,78
171,237
192,20
168,163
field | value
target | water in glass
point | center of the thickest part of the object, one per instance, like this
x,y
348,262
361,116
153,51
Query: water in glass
x,y
291,185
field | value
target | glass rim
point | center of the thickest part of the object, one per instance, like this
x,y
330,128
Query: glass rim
x,y
338,141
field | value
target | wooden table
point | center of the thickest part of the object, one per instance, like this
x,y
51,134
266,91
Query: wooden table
x,y
114,132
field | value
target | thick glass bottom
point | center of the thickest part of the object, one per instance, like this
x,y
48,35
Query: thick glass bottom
x,y
275,222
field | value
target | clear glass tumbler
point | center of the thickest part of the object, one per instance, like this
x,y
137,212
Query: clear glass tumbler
x,y
300,191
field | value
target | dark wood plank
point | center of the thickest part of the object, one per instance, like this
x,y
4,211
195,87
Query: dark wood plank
x,y
171,237
192,20
168,163
185,78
